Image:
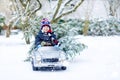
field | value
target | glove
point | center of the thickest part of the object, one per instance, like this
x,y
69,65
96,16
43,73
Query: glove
x,y
43,43
55,42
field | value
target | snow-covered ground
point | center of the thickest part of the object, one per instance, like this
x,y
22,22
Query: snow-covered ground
x,y
100,61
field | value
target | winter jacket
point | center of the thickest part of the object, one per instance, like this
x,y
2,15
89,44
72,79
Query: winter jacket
x,y
49,37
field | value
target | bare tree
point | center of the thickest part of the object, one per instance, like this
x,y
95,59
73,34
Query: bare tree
x,y
23,11
112,7
26,9
56,17
89,8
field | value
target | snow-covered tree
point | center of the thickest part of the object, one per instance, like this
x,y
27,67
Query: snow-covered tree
x,y
69,27
25,12
2,21
65,7
2,18
107,27
113,8
71,46
66,31
88,9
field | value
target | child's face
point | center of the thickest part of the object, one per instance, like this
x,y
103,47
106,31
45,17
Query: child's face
x,y
45,28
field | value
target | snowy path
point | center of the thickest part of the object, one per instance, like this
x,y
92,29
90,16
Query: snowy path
x,y
100,61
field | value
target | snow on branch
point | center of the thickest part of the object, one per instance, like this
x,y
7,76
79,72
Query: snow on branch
x,y
66,13
67,2
23,3
40,5
57,9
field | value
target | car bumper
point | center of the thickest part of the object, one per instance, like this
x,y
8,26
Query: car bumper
x,y
56,64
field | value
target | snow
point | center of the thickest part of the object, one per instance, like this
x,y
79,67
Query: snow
x,y
100,61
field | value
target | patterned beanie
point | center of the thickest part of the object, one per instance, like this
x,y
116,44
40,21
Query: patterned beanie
x,y
45,22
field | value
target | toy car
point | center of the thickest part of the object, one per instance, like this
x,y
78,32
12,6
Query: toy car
x,y
48,58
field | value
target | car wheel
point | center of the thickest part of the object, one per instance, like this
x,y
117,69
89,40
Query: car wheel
x,y
33,67
63,68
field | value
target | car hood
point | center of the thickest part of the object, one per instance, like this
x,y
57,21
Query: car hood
x,y
50,52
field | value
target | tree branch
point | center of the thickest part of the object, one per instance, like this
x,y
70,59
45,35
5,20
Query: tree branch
x,y
40,5
67,2
23,4
117,5
57,9
64,14
16,6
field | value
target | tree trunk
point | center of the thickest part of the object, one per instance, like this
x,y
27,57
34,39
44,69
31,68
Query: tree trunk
x,y
8,32
86,27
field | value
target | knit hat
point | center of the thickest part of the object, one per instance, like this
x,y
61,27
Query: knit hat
x,y
45,22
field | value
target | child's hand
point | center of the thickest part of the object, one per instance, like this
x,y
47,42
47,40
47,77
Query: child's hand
x,y
56,42
52,39
38,46
43,43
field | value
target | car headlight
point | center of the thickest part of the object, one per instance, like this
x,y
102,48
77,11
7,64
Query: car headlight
x,y
38,57
65,63
62,57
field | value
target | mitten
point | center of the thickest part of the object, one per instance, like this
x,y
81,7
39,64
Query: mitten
x,y
38,46
43,43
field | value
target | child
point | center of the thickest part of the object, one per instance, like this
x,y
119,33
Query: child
x,y
45,36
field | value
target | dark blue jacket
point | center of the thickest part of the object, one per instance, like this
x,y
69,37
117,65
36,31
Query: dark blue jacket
x,y
49,37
